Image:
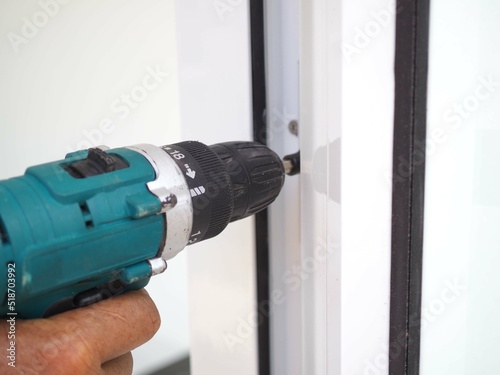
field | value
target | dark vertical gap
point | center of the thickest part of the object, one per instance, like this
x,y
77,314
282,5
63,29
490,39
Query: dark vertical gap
x,y
257,31
411,64
86,215
4,238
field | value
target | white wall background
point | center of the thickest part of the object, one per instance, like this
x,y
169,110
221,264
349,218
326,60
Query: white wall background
x,y
216,106
460,326
58,87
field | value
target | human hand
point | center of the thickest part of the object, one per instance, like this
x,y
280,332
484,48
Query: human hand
x,y
92,340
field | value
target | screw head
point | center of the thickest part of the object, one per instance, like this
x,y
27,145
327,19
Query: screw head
x,y
293,126
167,202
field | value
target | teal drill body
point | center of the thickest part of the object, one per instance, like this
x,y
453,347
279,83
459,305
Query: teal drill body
x,y
102,222
68,241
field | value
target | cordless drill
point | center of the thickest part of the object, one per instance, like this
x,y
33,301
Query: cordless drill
x,y
103,221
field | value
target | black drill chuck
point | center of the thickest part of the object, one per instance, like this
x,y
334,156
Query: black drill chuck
x,y
228,182
257,175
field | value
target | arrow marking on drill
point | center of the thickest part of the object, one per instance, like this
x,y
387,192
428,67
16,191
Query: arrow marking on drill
x,y
197,191
190,172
